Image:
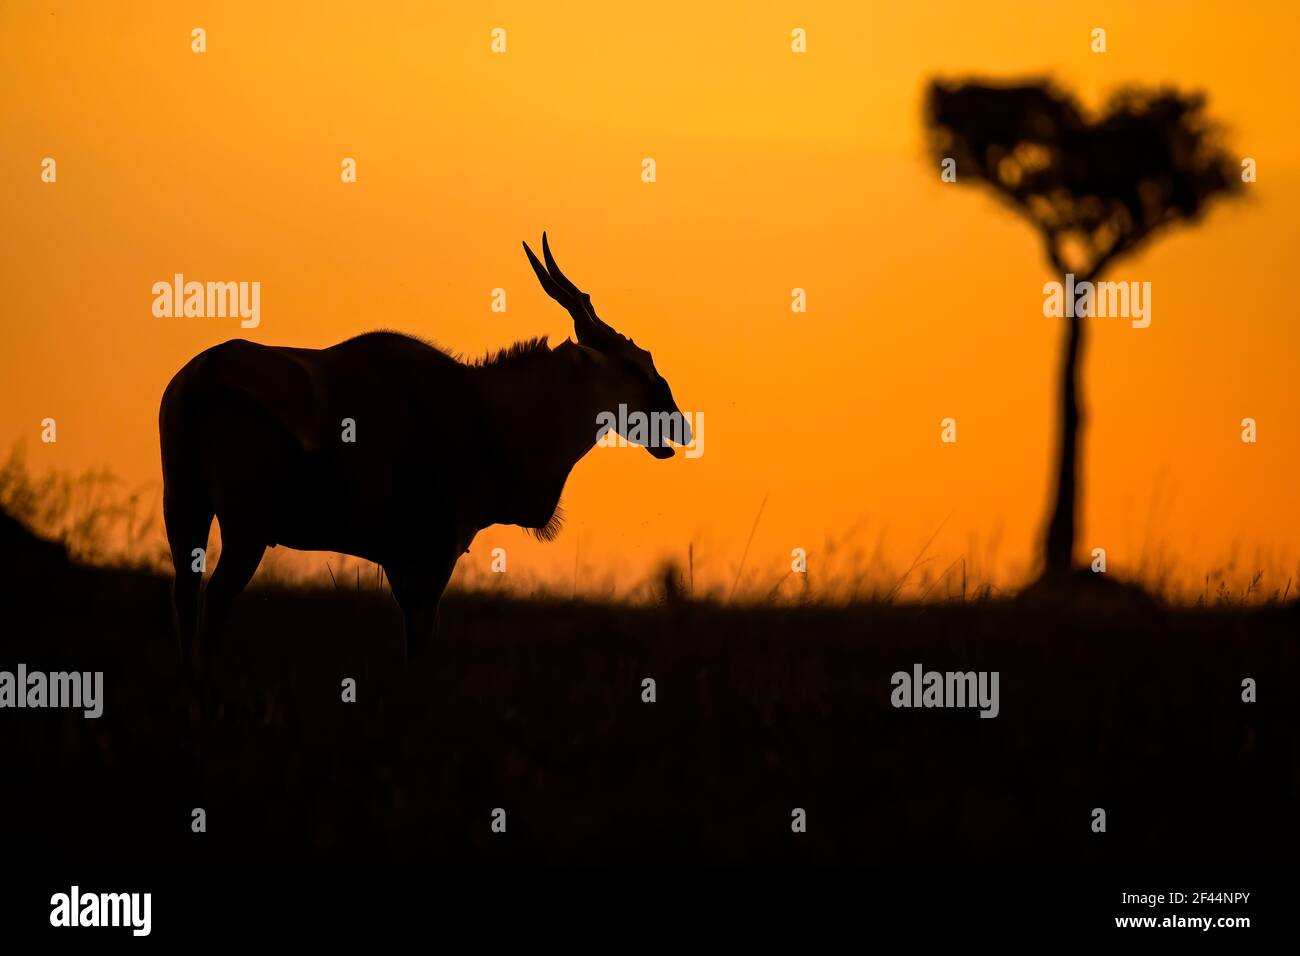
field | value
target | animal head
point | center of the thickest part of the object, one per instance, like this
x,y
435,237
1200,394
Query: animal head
x,y
627,371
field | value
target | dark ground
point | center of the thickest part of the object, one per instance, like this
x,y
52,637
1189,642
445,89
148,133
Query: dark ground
x,y
536,708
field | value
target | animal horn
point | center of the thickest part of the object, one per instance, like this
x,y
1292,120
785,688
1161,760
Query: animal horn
x,y
560,278
549,284
583,325
580,298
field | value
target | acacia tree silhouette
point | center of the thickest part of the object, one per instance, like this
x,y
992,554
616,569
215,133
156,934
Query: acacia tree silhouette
x,y
1095,191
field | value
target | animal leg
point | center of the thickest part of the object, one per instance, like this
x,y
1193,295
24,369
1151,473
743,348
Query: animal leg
x,y
188,523
418,592
239,560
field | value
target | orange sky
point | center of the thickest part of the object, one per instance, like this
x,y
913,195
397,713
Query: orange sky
x,y
775,171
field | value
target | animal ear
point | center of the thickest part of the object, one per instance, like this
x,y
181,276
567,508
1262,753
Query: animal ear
x,y
584,356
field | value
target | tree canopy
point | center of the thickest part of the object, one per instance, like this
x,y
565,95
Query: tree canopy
x,y
1094,187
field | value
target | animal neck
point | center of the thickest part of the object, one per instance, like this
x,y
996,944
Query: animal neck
x,y
542,412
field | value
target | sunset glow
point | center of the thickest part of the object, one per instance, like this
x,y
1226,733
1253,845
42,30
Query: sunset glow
x,y
774,172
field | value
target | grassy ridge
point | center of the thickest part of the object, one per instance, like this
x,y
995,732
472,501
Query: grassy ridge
x,y
536,707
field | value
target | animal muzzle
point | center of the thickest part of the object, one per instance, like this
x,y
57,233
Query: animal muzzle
x,y
660,451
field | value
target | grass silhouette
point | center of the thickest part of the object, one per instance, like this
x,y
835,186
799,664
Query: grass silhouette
x,y
104,522
534,705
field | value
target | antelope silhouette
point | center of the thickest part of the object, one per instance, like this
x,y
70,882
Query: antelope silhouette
x,y
254,435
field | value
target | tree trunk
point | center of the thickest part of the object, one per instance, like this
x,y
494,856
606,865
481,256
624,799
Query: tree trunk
x,y
1058,545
